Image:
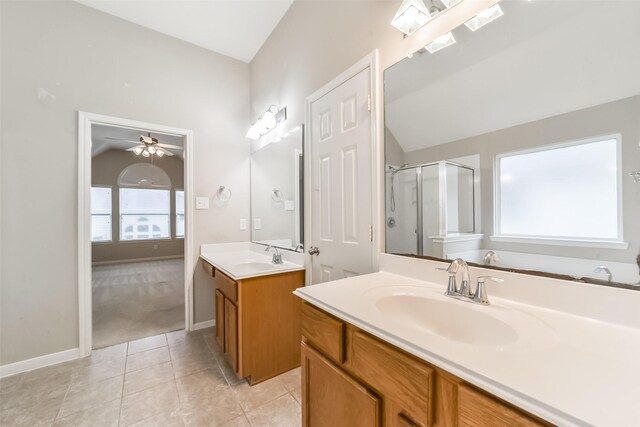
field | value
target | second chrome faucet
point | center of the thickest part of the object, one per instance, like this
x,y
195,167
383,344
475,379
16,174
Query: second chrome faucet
x,y
480,294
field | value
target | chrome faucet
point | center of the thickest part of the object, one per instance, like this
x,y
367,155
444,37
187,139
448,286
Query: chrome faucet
x,y
277,256
480,294
490,257
299,248
604,268
452,287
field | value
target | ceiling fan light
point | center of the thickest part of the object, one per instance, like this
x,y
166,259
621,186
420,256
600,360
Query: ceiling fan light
x,y
412,15
145,153
137,150
152,150
483,18
160,153
441,42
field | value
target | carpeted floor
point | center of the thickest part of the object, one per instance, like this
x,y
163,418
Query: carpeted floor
x,y
137,300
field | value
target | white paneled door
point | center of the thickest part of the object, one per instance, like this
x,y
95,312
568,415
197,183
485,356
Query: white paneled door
x,y
341,181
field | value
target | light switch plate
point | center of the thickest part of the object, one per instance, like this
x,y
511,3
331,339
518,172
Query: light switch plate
x,y
289,205
202,203
257,223
243,223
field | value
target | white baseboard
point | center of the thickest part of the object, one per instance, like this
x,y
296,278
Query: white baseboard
x,y
39,362
132,260
205,324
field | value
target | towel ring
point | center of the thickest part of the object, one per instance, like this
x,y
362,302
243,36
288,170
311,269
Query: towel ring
x,y
223,194
276,195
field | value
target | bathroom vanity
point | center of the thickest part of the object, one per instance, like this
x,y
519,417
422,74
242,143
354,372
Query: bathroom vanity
x,y
256,315
390,349
352,378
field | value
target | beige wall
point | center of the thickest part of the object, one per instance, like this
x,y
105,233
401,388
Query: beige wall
x,y
94,62
105,170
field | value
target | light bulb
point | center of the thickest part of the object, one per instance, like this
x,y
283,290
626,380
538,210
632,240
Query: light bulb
x,y
440,42
137,151
484,17
152,150
145,153
269,120
253,133
411,15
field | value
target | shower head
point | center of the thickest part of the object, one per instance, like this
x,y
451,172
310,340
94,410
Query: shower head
x,y
395,169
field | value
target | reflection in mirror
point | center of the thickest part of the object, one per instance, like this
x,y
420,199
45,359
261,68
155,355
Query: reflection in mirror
x,y
277,192
517,146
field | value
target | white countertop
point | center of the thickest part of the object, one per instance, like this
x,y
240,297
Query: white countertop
x,y
243,260
572,364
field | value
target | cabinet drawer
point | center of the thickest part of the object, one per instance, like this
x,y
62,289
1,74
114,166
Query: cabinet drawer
x,y
324,332
477,409
227,286
403,380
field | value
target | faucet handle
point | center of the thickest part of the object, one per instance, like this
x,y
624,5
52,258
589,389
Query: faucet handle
x,y
480,295
452,287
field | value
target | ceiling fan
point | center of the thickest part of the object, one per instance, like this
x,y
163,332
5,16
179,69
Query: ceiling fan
x,y
148,146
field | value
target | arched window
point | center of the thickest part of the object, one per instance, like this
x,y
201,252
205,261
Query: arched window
x,y
145,194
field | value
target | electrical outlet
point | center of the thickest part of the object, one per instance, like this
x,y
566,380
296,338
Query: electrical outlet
x,y
243,224
257,224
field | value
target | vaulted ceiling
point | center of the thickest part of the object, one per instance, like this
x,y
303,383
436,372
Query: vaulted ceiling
x,y
235,28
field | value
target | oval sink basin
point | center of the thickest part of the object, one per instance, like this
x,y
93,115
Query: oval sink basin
x,y
455,320
256,265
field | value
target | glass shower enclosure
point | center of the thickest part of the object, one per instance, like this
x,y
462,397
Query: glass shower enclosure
x,y
427,202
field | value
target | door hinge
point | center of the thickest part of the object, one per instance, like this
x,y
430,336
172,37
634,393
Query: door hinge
x,y
369,102
371,233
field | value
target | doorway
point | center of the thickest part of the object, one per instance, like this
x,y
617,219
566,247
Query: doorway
x,y
135,231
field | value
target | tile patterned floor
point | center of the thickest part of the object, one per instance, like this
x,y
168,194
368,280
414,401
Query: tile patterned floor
x,y
136,300
173,379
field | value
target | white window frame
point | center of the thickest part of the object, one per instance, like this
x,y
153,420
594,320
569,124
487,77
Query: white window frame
x,y
175,193
98,242
617,243
121,240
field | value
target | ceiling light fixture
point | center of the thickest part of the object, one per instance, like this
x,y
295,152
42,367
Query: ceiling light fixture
x,y
269,120
441,42
483,18
412,15
450,3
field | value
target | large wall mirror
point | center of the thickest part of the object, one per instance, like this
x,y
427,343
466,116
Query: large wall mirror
x,y
277,192
517,146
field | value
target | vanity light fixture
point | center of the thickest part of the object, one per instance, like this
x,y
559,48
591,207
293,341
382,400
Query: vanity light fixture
x,y
412,15
483,18
267,122
441,42
450,3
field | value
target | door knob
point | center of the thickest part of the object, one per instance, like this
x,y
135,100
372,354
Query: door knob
x,y
314,251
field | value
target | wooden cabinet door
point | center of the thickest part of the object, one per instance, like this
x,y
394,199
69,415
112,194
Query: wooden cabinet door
x,y
220,319
331,398
231,333
478,410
